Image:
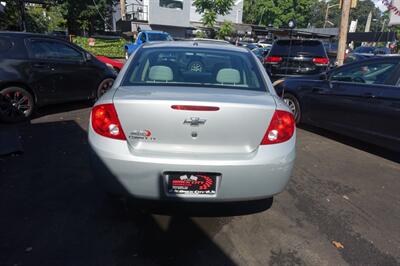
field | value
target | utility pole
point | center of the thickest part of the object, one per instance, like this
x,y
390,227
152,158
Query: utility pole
x,y
123,9
344,28
327,14
23,16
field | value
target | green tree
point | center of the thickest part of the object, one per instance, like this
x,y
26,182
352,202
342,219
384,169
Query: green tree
x,y
201,34
209,18
211,8
225,30
307,13
44,19
36,19
278,12
361,12
10,20
86,15
317,14
56,19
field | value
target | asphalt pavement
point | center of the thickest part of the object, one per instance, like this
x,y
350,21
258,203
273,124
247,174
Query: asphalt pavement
x,y
341,207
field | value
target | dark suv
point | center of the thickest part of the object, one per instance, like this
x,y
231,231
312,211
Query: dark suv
x,y
296,58
37,70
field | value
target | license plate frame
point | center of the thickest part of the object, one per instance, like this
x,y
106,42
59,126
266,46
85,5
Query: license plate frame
x,y
191,184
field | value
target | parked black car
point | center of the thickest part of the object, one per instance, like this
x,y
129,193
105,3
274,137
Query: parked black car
x,y
361,99
296,58
249,45
37,70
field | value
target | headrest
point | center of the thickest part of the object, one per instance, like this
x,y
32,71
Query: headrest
x,y
228,75
161,73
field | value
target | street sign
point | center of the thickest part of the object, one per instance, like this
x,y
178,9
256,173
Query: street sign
x,y
353,25
92,42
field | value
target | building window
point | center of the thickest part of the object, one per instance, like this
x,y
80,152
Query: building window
x,y
174,4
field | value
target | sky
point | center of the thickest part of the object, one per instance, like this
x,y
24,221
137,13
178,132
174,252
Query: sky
x,y
379,4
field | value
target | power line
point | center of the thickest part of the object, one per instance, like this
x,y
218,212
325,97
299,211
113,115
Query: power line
x,y
98,11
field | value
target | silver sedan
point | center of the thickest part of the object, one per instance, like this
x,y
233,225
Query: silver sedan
x,y
217,132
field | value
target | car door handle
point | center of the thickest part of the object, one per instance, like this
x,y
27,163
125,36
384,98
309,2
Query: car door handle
x,y
319,90
40,65
368,95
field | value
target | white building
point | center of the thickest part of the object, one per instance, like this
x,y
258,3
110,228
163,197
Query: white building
x,y
178,17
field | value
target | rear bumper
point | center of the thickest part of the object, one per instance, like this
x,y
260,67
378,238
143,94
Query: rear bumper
x,y
261,175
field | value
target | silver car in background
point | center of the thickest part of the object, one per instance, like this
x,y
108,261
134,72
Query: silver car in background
x,y
214,133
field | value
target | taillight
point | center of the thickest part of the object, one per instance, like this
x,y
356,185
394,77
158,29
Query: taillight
x,y
281,128
105,122
194,108
273,59
321,61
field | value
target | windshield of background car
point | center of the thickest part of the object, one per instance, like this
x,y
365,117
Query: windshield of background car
x,y
154,37
330,46
364,50
194,67
298,48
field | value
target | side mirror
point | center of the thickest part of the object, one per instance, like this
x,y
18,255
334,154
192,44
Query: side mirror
x,y
323,76
88,57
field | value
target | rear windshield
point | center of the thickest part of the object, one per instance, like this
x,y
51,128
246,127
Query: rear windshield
x,y
154,37
194,67
298,48
364,50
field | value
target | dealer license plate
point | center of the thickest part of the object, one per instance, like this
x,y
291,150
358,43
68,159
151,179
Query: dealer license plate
x,y
191,183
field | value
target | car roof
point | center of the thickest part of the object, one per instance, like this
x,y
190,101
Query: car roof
x,y
18,34
373,59
297,40
206,40
200,44
155,31
380,57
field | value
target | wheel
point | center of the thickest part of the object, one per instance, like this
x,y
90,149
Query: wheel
x,y
16,104
104,86
294,106
195,66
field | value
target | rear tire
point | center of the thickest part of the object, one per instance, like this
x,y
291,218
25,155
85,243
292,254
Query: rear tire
x,y
16,104
104,86
293,105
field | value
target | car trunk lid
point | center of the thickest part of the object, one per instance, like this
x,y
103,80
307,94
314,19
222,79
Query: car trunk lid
x,y
157,119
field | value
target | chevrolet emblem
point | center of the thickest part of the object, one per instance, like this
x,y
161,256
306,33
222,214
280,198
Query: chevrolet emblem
x,y
194,121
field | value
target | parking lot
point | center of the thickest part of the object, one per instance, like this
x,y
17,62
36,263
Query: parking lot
x,y
341,207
